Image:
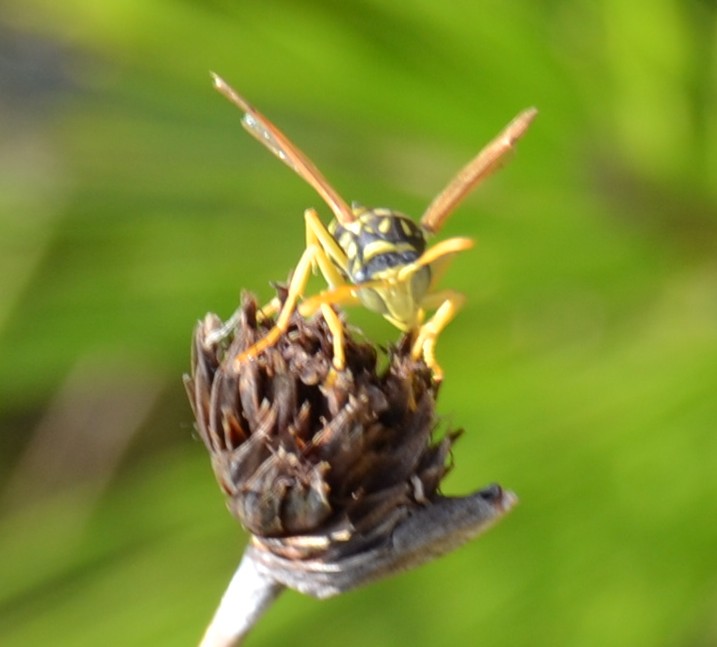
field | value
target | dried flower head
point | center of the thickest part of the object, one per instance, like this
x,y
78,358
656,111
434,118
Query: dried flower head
x,y
334,473
301,449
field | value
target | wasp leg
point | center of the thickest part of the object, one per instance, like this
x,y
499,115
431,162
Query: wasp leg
x,y
323,252
270,310
333,261
299,280
344,294
317,235
340,295
439,253
425,344
330,260
337,335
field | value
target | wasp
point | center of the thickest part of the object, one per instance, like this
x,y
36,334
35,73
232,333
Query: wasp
x,y
376,257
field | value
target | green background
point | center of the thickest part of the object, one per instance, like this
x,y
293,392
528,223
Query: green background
x,y
583,367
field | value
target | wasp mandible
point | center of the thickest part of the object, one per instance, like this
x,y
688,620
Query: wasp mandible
x,y
377,257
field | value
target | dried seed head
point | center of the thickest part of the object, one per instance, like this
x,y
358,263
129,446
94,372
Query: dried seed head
x,y
314,462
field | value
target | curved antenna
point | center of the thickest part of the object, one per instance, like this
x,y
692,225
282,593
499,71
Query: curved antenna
x,y
279,144
490,159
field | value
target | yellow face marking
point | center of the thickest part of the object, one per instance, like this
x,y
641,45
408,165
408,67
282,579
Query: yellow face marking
x,y
384,225
377,247
405,227
355,227
345,240
351,249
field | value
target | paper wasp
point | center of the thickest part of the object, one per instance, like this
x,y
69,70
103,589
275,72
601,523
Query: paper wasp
x,y
377,257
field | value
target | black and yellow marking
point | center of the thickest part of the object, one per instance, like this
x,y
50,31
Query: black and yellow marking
x,y
379,240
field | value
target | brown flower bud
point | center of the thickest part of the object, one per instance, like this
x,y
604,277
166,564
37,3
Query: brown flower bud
x,y
313,460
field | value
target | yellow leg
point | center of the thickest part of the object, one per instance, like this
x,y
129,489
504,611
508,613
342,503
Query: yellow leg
x,y
344,294
332,257
323,252
425,344
296,289
270,310
337,333
440,251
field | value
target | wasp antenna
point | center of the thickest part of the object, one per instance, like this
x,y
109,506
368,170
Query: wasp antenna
x,y
280,145
516,128
230,93
488,160
218,82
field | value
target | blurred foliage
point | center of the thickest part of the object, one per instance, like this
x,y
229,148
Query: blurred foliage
x,y
584,367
